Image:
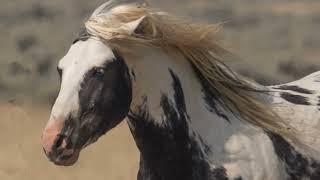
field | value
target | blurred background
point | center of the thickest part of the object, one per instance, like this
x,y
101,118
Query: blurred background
x,y
278,41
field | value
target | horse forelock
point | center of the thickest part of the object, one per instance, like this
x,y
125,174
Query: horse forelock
x,y
199,44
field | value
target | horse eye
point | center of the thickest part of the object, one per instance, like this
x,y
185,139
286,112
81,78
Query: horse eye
x,y
98,72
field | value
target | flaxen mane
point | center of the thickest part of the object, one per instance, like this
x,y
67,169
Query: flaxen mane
x,y
198,43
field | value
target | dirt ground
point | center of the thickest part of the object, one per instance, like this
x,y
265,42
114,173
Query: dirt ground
x,y
113,157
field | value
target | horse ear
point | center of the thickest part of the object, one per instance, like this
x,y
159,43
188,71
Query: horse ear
x,y
132,26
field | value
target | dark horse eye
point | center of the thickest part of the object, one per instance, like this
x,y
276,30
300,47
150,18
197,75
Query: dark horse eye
x,y
98,72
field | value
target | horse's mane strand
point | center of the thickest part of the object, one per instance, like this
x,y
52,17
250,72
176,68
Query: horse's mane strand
x,y
199,44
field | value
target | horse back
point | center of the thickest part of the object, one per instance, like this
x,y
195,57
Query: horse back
x,y
298,102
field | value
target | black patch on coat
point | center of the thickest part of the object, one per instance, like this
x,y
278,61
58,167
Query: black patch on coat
x,y
104,101
82,36
295,99
210,97
297,165
178,93
295,89
168,152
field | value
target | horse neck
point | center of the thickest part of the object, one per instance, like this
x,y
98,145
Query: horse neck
x,y
172,114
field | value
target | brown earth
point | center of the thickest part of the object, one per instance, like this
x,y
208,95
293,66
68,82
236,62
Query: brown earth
x,y
113,157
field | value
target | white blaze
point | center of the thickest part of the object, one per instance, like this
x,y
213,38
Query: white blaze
x,y
82,56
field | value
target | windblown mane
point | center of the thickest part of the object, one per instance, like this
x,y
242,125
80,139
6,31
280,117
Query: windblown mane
x,y
199,45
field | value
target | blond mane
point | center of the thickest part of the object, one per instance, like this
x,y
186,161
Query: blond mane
x,y
199,45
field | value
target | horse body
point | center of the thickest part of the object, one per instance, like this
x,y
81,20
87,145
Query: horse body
x,y
298,103
176,112
213,139
183,132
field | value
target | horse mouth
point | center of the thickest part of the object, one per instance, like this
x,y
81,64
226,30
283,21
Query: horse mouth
x,y
67,158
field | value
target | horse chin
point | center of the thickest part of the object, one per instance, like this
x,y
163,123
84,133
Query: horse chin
x,y
67,160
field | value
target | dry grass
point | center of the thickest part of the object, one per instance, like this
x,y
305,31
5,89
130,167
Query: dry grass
x,y
21,157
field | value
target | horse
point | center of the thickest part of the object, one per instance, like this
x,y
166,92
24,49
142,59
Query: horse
x,y
190,115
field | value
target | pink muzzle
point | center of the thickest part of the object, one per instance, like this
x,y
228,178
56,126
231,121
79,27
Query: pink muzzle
x,y
55,146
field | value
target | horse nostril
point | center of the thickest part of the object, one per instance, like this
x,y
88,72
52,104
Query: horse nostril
x,y
58,142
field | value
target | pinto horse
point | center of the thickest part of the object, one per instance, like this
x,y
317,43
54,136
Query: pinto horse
x,y
191,116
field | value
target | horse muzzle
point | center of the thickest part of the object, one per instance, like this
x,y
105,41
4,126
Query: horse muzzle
x,y
55,146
